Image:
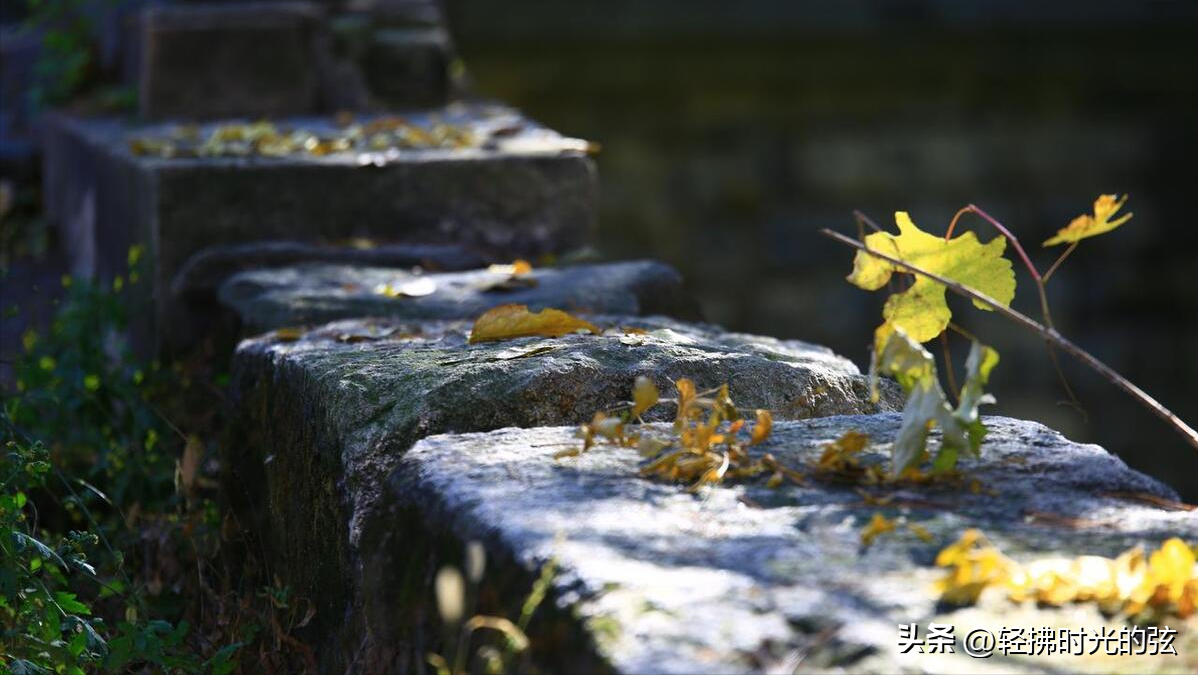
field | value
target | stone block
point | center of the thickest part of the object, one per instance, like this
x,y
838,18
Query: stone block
x,y
265,299
524,192
405,67
211,60
744,578
318,423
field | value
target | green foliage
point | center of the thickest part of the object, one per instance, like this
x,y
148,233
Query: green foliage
x,y
66,50
961,429
83,448
81,390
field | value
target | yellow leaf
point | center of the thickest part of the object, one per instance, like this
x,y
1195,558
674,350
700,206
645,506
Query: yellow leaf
x,y
878,525
921,310
518,267
514,321
644,395
289,334
1081,227
763,427
838,455
921,532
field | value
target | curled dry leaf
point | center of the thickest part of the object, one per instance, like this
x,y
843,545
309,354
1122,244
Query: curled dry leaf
x,y
878,525
644,395
514,321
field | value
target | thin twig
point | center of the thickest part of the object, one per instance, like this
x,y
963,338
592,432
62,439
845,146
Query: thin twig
x,y
1047,333
1040,290
1060,260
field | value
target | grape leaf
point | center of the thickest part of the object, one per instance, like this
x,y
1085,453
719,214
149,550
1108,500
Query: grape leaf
x,y
1083,226
961,428
921,310
513,321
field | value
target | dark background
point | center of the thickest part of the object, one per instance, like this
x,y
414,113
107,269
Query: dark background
x,y
733,131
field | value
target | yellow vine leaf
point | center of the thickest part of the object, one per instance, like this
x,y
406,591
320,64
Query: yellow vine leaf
x,y
1166,582
1083,226
514,321
921,310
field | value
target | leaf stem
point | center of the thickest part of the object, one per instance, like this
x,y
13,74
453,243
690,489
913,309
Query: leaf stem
x,y
1060,260
1041,291
1048,333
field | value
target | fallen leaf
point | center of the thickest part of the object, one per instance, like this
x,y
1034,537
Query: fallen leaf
x,y
519,352
1083,226
289,334
644,395
878,525
763,427
514,321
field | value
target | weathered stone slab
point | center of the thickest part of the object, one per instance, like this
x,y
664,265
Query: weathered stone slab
x,y
318,423
209,60
265,299
521,191
744,578
207,270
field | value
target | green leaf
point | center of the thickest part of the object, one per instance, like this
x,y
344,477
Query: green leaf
x,y
921,310
69,604
961,429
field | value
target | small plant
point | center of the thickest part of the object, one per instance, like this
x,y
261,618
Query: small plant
x,y
456,597
980,273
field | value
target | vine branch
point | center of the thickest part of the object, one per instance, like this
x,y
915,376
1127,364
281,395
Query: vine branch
x,y
1048,333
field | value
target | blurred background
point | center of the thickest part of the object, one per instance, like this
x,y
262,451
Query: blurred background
x,y
732,131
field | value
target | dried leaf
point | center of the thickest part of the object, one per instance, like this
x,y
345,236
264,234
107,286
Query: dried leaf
x,y
878,525
1166,582
289,334
513,321
1083,226
522,352
921,310
763,427
644,395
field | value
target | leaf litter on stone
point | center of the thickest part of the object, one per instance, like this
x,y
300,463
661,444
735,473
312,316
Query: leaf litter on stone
x,y
1163,582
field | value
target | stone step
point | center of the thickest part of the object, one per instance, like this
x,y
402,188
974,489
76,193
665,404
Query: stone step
x,y
266,299
286,58
318,423
744,578
514,190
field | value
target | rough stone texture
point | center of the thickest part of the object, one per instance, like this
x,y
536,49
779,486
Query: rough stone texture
x,y
318,423
745,578
290,296
208,60
518,195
